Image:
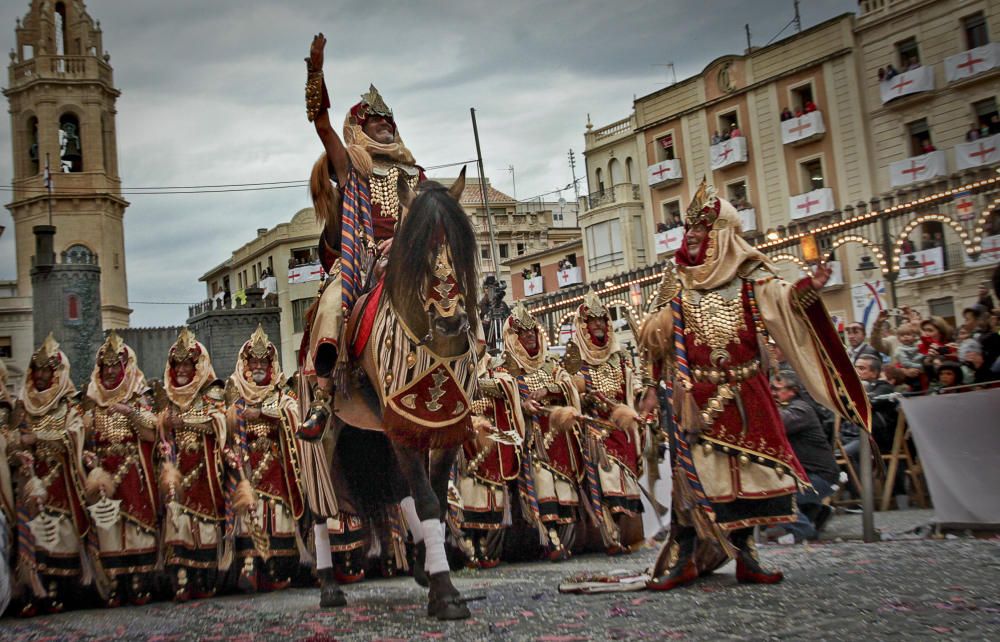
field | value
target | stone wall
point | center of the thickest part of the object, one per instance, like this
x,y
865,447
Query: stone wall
x,y
224,331
151,345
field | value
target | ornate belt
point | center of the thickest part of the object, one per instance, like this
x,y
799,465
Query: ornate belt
x,y
737,374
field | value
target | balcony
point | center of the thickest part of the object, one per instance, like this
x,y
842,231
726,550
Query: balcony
x,y
931,262
305,273
909,82
804,129
818,201
990,254
620,193
60,68
918,168
985,151
972,62
748,220
669,240
570,276
728,152
664,173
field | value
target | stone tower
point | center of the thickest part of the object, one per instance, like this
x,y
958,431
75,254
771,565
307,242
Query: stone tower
x,y
61,98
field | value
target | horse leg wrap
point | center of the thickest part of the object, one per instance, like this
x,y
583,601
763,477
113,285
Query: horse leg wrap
x,y
412,520
321,537
437,561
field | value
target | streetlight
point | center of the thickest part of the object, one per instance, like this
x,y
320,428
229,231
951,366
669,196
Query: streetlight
x,y
867,267
912,265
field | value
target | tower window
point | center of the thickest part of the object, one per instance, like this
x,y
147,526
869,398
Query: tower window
x,y
33,167
72,307
70,145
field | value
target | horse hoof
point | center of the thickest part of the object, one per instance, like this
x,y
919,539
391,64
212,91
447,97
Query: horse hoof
x,y
449,607
332,597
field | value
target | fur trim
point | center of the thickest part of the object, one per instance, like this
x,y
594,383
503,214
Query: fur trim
x,y
686,408
361,160
563,418
326,200
657,334
624,417
35,489
99,481
170,481
243,497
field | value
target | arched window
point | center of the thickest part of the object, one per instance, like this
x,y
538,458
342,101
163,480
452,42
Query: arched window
x,y
600,180
70,144
79,254
628,170
60,20
72,307
33,162
614,172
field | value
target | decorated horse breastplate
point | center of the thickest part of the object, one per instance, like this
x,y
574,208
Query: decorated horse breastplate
x,y
715,317
384,190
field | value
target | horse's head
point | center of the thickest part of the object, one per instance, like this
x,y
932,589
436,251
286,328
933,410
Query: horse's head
x,y
431,275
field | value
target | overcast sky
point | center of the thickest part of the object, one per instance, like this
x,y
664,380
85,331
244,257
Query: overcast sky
x,y
212,93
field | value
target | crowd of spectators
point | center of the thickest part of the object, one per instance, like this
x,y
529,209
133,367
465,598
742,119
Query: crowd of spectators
x,y
906,353
734,131
985,127
787,114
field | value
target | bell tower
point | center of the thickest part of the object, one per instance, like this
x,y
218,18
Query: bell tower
x,y
61,97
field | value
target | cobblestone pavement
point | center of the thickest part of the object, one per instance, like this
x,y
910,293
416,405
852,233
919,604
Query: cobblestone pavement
x,y
917,589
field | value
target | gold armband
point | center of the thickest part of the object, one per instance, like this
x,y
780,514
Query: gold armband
x,y
316,99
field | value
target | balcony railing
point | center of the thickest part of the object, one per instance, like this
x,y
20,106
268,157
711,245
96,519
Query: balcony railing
x,y
906,83
918,168
60,67
305,273
620,193
972,62
664,172
748,219
985,151
818,201
804,129
534,286
728,152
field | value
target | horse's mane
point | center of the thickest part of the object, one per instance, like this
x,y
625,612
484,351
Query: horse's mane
x,y
410,267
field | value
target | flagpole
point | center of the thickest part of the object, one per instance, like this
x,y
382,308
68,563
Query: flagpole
x,y
48,185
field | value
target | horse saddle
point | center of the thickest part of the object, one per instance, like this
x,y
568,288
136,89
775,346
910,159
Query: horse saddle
x,y
359,405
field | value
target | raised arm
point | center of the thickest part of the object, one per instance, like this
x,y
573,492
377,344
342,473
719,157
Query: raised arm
x,y
317,109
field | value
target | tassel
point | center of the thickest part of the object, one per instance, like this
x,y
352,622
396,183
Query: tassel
x,y
36,490
99,482
624,417
563,418
170,481
688,412
243,498
507,519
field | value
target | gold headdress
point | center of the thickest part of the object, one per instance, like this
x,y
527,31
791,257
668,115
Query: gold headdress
x,y
592,306
259,346
184,348
373,104
112,351
47,354
704,207
521,318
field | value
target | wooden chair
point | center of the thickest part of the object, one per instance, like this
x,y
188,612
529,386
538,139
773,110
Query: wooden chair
x,y
901,454
843,496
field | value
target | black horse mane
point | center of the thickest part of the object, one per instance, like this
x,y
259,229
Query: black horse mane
x,y
434,211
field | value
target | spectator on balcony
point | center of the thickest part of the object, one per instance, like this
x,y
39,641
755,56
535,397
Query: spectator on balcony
x,y
661,227
566,264
913,64
926,146
994,126
786,114
716,138
734,131
881,74
810,106
890,72
973,133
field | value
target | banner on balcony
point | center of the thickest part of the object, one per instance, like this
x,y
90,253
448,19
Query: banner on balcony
x,y
867,300
670,240
811,203
748,220
985,151
305,273
990,253
909,82
931,262
918,168
667,170
955,434
728,152
803,127
533,286
569,276
974,61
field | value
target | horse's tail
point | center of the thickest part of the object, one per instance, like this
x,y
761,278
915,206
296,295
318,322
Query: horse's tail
x,y
326,200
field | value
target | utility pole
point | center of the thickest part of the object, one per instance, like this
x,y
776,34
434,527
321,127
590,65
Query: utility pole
x,y
572,168
747,27
486,203
513,181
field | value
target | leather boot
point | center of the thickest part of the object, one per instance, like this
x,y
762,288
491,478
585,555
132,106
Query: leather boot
x,y
681,568
748,567
330,593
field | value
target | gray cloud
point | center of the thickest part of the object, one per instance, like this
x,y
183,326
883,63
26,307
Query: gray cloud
x,y
212,93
